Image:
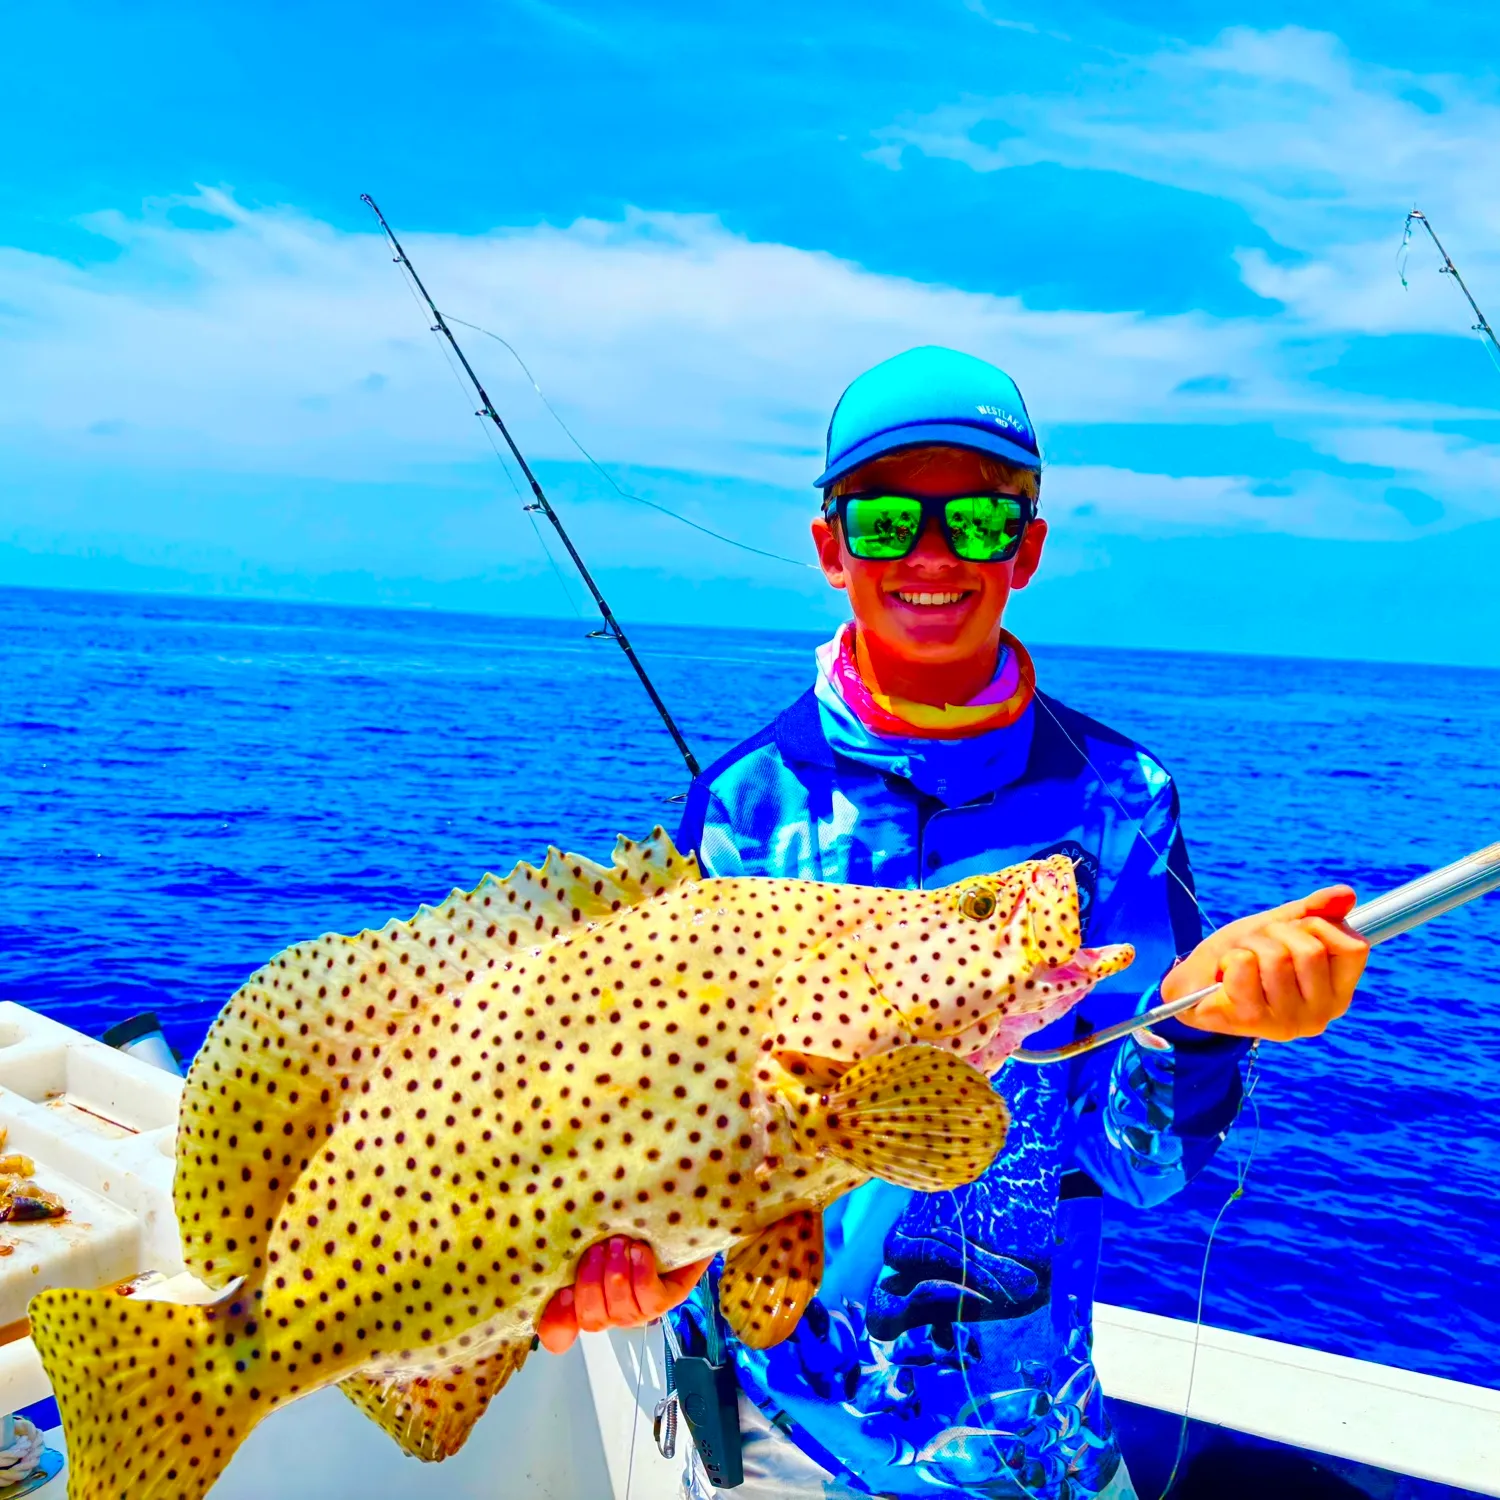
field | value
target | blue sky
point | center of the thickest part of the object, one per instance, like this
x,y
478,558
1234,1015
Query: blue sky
x,y
1177,226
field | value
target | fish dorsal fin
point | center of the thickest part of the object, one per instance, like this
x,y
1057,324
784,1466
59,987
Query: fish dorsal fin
x,y
653,865
534,906
285,1058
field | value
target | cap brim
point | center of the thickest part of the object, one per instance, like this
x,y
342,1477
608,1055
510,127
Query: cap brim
x,y
920,435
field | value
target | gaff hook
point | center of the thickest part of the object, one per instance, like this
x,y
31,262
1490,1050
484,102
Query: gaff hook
x,y
1385,917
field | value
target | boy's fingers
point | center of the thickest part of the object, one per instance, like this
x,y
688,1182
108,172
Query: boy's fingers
x,y
650,1295
658,1292
1245,996
677,1284
1313,973
1334,902
685,1278
1238,1000
1277,976
588,1291
558,1325
1347,955
619,1292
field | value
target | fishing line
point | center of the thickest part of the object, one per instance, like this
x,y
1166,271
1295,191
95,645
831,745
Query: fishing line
x,y
1242,1172
612,630
1252,1077
1482,326
489,437
557,572
609,479
1140,833
635,1423
963,1367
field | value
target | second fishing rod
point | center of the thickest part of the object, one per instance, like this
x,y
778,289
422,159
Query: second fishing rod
x,y
612,627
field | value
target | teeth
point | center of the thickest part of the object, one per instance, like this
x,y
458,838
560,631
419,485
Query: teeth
x,y
910,597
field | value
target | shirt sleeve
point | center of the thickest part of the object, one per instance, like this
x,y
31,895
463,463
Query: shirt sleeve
x,y
1148,1121
706,831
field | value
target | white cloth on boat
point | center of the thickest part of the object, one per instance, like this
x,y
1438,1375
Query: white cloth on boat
x,y
776,1469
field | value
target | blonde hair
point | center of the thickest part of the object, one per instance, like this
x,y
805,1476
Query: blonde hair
x,y
1005,477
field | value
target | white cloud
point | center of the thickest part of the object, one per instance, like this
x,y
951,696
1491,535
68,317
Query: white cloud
x,y
674,341
272,340
1416,456
265,342
1326,153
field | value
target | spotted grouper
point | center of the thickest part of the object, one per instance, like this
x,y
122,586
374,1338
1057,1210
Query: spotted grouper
x,y
394,1148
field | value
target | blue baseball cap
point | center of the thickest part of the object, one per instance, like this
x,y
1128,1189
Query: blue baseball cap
x,y
929,395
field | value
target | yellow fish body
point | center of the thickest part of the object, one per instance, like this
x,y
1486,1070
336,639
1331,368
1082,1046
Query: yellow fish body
x,y
394,1148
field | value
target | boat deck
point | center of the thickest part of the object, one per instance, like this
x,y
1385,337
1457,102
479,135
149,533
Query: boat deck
x,y
1270,1420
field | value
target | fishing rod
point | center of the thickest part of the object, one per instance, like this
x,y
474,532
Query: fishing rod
x,y
613,630
1449,269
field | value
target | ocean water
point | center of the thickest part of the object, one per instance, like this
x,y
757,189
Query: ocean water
x,y
186,786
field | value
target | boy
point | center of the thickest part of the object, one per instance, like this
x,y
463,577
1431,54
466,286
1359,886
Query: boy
x,y
948,1348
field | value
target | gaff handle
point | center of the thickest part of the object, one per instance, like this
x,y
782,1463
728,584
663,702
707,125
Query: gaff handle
x,y
1387,916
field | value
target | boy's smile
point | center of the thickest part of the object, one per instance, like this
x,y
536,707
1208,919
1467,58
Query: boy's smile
x,y
929,623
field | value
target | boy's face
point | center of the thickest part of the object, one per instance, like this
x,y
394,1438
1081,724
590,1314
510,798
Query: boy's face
x,y
931,608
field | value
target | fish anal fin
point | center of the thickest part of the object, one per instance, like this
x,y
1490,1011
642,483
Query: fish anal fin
x,y
768,1281
431,1415
917,1116
128,1375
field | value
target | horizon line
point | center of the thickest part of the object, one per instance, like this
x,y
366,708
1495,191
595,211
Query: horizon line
x,y
254,599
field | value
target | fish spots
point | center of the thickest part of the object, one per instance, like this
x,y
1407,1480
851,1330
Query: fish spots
x,y
615,1083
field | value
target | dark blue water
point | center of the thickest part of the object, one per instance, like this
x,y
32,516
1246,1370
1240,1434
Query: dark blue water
x,y
187,786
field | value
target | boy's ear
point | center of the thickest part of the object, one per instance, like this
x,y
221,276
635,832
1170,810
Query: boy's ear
x,y
830,552
1029,555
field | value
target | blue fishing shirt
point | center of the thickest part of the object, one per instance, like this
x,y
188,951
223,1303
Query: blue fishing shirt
x,y
948,1350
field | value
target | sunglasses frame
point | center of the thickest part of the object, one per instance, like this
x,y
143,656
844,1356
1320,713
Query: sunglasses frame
x,y
934,508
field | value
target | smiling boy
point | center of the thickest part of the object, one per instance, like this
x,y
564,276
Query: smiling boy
x,y
948,1350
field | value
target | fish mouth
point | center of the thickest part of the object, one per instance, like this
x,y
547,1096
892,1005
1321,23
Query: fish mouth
x,y
1068,983
1088,966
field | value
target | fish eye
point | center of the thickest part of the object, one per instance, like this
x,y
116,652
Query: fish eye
x,y
977,903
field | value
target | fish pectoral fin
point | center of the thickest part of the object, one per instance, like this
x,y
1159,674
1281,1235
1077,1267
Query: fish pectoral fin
x,y
768,1281
918,1117
129,1376
431,1415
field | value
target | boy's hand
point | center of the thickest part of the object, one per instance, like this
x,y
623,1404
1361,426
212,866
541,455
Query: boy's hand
x,y
1283,974
617,1286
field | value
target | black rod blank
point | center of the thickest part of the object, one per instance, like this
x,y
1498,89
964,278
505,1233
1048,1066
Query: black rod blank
x,y
612,627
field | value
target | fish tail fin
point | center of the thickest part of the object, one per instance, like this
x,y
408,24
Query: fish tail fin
x,y
154,1396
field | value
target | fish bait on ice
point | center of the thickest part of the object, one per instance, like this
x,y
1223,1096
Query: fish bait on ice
x,y
394,1148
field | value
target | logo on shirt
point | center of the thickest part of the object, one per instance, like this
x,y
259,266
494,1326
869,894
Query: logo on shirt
x,y
1086,871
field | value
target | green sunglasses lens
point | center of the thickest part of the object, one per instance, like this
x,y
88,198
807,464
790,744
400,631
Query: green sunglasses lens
x,y
882,526
985,528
